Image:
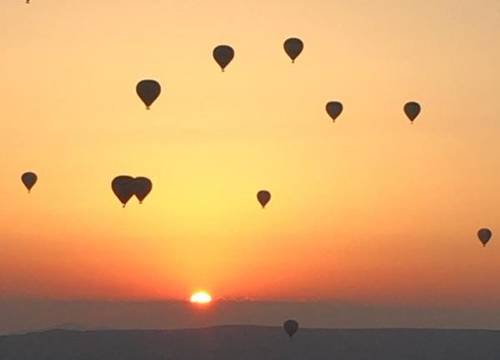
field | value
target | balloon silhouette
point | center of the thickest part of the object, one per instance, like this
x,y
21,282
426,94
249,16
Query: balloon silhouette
x,y
412,110
484,236
263,197
223,55
142,187
334,109
148,91
29,179
293,47
123,187
291,327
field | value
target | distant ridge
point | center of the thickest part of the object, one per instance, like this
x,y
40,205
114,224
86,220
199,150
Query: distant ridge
x,y
253,342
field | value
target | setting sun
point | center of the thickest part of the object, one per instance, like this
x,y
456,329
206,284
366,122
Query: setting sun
x,y
201,297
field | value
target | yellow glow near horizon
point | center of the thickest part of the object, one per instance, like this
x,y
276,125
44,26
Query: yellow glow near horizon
x,y
201,297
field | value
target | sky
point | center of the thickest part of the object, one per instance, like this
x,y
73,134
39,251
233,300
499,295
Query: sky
x,y
370,209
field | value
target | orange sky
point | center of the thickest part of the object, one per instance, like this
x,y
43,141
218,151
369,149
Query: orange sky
x,y
369,209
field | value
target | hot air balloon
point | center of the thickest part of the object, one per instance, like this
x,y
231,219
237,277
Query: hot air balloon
x,y
223,55
412,110
263,197
148,91
142,187
293,47
291,327
123,187
334,109
29,179
484,235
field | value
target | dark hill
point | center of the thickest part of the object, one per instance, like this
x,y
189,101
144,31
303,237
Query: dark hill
x,y
247,342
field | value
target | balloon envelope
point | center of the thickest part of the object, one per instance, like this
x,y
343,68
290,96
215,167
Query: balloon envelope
x,y
412,110
293,47
142,187
484,235
29,179
123,187
223,55
148,91
291,327
263,197
334,109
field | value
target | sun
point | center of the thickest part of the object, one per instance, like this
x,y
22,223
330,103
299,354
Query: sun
x,y
201,297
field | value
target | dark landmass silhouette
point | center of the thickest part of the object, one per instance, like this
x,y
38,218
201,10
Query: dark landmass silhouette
x,y
25,316
253,342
